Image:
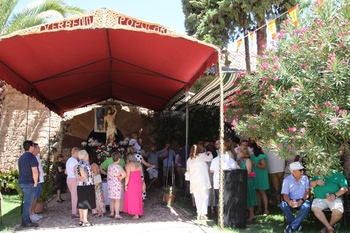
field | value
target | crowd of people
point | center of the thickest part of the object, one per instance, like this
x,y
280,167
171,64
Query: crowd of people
x,y
126,174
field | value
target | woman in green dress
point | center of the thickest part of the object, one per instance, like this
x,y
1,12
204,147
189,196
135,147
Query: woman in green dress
x,y
261,180
251,194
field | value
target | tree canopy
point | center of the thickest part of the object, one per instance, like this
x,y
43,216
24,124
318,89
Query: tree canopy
x,y
11,21
223,21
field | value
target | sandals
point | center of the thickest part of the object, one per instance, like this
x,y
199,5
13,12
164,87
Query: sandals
x,y
86,224
118,217
80,223
111,215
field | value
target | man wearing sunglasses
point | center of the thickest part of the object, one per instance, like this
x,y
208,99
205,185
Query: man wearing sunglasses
x,y
295,193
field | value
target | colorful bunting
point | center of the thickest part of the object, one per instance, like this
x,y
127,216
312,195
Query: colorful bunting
x,y
293,14
239,42
251,37
320,3
272,28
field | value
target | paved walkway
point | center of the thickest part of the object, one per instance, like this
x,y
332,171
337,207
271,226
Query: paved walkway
x,y
157,218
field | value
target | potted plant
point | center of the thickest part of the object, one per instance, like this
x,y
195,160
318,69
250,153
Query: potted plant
x,y
169,194
47,186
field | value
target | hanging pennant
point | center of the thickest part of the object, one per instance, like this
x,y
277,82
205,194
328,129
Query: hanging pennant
x,y
239,42
293,14
251,38
320,3
272,28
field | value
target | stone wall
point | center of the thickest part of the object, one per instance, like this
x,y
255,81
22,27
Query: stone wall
x,y
16,125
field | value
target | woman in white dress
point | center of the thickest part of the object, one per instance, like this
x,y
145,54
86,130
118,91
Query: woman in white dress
x,y
199,178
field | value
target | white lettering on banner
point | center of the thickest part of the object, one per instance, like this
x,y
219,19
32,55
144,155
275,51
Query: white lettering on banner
x,y
85,21
88,20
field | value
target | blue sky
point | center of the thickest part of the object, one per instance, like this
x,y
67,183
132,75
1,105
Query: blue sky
x,y
166,12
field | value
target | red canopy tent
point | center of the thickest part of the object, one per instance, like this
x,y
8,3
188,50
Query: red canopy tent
x,y
102,55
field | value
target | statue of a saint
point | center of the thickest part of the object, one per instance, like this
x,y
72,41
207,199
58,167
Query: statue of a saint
x,y
109,125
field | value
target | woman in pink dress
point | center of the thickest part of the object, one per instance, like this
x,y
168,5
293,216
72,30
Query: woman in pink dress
x,y
133,187
115,174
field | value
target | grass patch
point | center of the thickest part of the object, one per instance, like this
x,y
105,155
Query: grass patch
x,y
274,222
11,212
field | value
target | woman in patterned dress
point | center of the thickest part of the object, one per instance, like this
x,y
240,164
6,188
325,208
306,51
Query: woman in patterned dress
x,y
115,174
100,200
85,188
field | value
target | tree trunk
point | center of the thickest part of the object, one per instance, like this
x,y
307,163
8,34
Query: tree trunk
x,y
247,51
261,37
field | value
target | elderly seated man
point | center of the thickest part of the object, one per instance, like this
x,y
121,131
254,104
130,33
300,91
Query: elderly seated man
x,y
327,191
295,193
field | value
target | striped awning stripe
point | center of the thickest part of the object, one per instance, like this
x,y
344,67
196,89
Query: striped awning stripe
x,y
208,97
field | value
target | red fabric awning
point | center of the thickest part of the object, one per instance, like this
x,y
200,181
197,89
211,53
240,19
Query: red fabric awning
x,y
102,55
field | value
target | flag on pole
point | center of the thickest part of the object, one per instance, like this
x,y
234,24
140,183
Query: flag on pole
x,y
293,14
251,37
272,28
239,42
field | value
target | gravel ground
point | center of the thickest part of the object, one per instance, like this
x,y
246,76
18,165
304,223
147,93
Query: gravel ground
x,y
157,218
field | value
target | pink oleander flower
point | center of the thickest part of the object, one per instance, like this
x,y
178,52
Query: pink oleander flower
x,y
335,120
264,79
336,107
271,86
276,65
225,107
294,47
240,74
302,130
233,122
275,58
275,78
340,112
341,44
305,123
292,89
327,104
304,65
255,126
264,66
292,129
278,146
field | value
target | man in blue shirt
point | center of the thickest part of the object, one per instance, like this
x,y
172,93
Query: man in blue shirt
x,y
295,192
28,178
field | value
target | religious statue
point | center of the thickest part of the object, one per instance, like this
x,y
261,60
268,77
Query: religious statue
x,y
109,125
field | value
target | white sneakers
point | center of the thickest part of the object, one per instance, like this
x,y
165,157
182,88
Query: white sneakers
x,y
35,217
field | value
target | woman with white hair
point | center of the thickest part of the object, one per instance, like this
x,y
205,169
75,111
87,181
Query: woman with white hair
x,y
85,188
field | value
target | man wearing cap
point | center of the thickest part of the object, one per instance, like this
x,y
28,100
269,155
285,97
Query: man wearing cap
x,y
327,191
295,193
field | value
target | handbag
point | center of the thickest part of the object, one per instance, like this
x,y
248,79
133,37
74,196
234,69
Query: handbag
x,y
97,179
187,176
252,175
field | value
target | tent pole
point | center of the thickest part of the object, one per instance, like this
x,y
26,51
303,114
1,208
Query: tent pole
x,y
221,172
49,154
186,143
27,117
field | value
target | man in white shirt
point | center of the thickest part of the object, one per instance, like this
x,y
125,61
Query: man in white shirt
x,y
228,164
72,180
33,216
